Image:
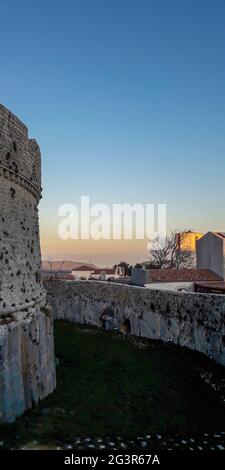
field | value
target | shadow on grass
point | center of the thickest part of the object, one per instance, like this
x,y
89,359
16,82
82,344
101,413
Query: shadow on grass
x,y
110,385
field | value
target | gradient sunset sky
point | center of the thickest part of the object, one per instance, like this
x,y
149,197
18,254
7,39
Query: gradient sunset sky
x,y
126,99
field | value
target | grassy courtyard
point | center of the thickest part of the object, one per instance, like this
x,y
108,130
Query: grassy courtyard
x,y
110,385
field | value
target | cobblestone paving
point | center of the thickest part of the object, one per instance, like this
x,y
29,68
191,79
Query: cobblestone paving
x,y
204,442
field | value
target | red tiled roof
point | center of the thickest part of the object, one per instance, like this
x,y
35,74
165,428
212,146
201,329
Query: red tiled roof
x,y
221,234
89,268
217,287
182,275
84,267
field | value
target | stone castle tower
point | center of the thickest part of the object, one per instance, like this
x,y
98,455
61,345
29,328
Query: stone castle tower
x,y
27,364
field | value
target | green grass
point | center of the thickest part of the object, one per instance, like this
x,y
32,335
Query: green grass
x,y
111,385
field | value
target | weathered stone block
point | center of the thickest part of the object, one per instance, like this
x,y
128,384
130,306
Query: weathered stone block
x,y
27,364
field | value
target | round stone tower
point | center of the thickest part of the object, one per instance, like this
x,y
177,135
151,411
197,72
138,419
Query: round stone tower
x,y
27,364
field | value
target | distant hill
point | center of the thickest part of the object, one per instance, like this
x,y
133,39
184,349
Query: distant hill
x,y
66,266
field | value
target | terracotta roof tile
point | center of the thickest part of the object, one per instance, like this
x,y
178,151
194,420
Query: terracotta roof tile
x,y
84,267
182,275
217,287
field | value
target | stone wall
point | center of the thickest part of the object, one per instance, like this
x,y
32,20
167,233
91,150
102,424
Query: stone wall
x,y
139,276
27,365
19,154
20,192
196,321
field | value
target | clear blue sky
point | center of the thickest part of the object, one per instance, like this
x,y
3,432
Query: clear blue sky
x,y
126,99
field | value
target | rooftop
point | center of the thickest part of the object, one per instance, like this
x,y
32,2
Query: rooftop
x,y
217,287
84,267
182,275
220,234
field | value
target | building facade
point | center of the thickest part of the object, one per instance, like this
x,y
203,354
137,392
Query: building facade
x,y
187,241
86,272
211,253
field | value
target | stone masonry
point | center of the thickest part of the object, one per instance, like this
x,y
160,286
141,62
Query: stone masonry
x,y
196,321
27,364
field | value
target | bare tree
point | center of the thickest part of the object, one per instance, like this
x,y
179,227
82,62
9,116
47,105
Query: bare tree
x,y
51,264
181,256
60,267
55,273
160,251
169,252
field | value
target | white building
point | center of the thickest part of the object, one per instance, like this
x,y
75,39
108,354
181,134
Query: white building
x,y
103,274
211,253
83,272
